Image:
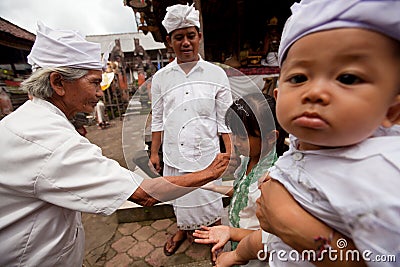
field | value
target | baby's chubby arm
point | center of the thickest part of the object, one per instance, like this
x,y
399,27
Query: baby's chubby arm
x,y
281,215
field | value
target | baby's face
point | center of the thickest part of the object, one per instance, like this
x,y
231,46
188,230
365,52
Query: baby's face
x,y
337,86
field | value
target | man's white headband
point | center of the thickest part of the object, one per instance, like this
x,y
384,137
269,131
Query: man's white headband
x,y
181,16
63,48
310,16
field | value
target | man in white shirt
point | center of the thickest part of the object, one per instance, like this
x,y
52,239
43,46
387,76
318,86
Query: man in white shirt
x,y
50,173
189,98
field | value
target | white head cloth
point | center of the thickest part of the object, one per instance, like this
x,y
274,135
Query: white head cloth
x,y
310,16
63,48
181,16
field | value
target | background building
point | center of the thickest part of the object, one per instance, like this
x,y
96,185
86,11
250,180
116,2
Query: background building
x,y
15,44
132,58
242,34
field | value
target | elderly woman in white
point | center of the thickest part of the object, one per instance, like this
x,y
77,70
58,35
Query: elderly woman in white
x,y
50,173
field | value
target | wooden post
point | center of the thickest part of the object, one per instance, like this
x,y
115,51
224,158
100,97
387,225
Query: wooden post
x,y
197,5
109,104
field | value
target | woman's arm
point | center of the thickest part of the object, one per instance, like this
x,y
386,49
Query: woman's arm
x,y
161,189
222,189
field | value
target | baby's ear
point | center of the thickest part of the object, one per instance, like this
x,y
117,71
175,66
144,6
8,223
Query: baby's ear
x,y
276,93
393,114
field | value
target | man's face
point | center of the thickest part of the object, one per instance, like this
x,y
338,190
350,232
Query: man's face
x,y
185,43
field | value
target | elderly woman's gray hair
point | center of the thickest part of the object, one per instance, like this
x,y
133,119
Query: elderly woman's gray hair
x,y
38,84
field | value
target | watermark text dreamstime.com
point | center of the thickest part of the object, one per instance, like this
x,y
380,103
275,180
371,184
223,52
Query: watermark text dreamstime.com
x,y
330,254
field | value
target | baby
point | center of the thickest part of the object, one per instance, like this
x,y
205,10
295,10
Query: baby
x,y
339,98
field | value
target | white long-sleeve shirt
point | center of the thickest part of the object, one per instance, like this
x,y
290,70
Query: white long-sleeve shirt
x,y
353,189
190,110
48,175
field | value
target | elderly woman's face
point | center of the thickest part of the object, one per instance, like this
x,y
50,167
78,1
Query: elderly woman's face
x,y
83,94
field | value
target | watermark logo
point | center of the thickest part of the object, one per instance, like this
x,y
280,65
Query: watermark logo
x,y
340,254
341,243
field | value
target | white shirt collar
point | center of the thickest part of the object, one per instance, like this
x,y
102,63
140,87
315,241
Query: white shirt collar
x,y
367,148
174,66
48,105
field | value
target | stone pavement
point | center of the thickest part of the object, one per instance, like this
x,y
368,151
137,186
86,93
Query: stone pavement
x,y
134,243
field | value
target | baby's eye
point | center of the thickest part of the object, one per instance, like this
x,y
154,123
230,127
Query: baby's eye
x,y
349,79
298,79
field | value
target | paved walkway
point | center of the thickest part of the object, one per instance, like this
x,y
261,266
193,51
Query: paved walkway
x,y
110,243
